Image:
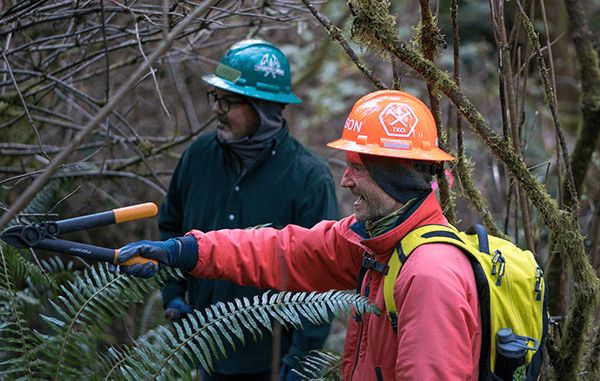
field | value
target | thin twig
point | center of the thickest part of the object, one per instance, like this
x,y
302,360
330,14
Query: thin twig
x,y
105,47
396,79
30,192
456,53
184,97
151,70
549,46
166,147
430,41
511,125
552,105
336,34
6,47
129,175
37,134
39,265
65,198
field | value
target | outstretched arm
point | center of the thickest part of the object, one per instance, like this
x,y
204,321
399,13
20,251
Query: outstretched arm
x,y
294,258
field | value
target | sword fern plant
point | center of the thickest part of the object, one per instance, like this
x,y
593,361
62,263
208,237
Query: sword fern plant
x,y
74,349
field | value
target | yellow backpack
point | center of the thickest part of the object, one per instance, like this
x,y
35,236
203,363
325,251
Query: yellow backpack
x,y
511,290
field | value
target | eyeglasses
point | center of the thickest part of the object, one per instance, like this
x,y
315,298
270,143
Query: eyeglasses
x,y
224,103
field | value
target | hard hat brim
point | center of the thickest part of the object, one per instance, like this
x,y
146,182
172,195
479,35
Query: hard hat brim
x,y
433,154
250,91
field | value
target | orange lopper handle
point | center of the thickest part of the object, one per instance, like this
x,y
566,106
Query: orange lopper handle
x,y
133,260
135,212
115,216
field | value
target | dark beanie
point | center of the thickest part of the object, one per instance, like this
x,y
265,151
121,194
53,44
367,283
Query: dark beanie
x,y
398,177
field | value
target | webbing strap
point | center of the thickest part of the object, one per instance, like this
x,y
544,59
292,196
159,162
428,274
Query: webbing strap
x,y
482,237
404,248
395,264
369,263
359,282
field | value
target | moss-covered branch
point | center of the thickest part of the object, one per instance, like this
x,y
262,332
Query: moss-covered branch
x,y
568,237
586,296
589,133
370,15
549,96
429,38
336,34
589,69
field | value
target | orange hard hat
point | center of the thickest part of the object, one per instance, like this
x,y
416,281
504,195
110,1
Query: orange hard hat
x,y
391,123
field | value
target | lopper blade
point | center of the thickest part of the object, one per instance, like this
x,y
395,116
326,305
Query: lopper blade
x,y
12,236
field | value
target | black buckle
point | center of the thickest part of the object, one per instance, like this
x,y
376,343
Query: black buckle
x,y
370,263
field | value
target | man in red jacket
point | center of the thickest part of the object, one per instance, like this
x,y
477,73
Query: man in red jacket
x,y
391,148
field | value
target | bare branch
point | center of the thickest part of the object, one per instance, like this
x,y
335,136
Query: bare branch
x,y
20,203
37,134
151,69
336,34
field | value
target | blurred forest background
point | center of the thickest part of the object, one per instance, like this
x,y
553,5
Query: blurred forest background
x,y
98,99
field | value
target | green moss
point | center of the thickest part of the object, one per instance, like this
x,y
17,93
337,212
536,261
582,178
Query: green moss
x,y
464,168
373,26
427,37
145,147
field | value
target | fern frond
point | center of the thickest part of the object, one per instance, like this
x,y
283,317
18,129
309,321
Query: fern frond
x,y
16,339
168,273
93,298
21,268
149,316
323,365
88,302
46,199
204,335
43,201
43,283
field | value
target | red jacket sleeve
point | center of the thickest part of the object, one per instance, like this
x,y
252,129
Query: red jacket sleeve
x,y
292,259
439,323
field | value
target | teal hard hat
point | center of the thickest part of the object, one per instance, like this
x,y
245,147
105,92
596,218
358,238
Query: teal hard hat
x,y
257,69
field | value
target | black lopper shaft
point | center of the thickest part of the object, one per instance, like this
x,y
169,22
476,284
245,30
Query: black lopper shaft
x,y
115,216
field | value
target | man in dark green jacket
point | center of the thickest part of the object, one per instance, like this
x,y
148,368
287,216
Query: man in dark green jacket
x,y
249,172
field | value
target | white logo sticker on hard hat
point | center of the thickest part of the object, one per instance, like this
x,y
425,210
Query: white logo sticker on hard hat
x,y
270,65
353,125
398,119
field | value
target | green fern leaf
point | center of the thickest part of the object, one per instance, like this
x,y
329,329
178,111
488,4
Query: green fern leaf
x,y
233,324
214,334
221,327
206,358
323,365
17,342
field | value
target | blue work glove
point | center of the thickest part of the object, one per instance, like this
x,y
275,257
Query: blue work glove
x,y
180,252
176,310
286,373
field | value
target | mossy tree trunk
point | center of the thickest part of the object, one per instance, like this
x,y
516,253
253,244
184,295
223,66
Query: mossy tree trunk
x,y
587,141
373,27
589,71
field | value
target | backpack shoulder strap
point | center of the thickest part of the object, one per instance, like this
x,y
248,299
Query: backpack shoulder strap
x,y
420,236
